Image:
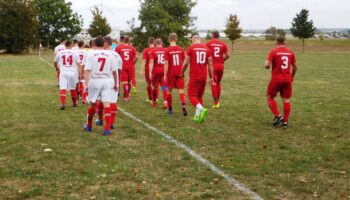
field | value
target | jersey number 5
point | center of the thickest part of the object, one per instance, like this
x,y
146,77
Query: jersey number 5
x,y
103,62
126,55
285,60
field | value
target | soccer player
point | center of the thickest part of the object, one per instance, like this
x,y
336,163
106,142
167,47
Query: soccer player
x,y
219,54
59,48
114,95
174,57
199,58
68,63
129,57
156,67
281,59
100,66
82,55
146,57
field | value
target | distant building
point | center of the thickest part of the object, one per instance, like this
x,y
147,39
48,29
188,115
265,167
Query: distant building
x,y
86,37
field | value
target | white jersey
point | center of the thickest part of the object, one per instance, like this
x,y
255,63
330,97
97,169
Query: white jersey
x,y
82,53
59,48
67,61
101,63
76,48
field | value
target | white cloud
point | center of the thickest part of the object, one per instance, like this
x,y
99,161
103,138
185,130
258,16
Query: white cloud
x,y
254,14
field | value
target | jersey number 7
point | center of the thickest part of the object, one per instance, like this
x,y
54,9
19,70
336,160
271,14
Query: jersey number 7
x,y
103,62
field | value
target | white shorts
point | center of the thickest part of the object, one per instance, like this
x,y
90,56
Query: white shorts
x,y
100,89
68,81
114,94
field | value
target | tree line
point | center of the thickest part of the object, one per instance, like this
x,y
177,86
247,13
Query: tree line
x,y
26,23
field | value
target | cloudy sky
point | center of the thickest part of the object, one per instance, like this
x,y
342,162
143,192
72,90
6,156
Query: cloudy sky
x,y
254,14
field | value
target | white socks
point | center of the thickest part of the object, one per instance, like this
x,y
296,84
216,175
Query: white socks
x,y
199,109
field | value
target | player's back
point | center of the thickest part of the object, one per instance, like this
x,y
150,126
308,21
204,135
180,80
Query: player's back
x,y
158,57
59,48
146,55
67,60
199,59
127,53
217,49
281,58
101,64
175,56
81,53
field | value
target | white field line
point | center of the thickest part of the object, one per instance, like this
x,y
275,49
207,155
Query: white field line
x,y
232,181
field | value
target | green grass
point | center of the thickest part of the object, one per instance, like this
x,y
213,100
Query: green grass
x,y
308,161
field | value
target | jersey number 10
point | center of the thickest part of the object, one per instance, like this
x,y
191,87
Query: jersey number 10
x,y
201,57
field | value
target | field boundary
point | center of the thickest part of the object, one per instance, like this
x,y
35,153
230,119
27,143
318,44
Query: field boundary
x,y
216,170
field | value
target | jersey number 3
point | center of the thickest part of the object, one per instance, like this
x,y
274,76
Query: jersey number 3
x,y
285,60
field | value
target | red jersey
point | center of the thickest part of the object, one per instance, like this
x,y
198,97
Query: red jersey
x,y
217,49
199,59
175,56
127,53
281,58
158,56
146,55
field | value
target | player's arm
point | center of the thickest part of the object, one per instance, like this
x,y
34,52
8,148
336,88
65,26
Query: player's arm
x,y
210,69
268,64
294,69
166,67
226,56
87,77
269,60
116,82
186,63
55,64
151,65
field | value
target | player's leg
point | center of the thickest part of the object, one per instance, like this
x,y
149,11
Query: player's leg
x,y
201,91
165,91
63,84
272,91
218,77
99,111
214,88
149,85
180,85
72,85
106,98
94,91
90,117
155,83
133,80
113,105
192,93
124,79
286,94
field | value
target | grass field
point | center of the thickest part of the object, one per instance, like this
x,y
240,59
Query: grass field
x,y
311,160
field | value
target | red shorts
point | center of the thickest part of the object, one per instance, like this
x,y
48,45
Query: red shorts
x,y
157,78
148,81
175,82
196,87
280,85
218,72
127,74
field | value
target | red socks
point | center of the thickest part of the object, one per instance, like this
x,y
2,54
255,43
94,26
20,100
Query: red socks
x,y
286,111
126,90
107,112
90,116
149,92
194,101
170,100
100,111
214,92
183,99
63,97
85,94
154,95
74,96
273,106
114,110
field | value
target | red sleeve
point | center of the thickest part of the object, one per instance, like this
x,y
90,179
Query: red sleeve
x,y
293,58
271,55
189,51
144,54
209,55
166,54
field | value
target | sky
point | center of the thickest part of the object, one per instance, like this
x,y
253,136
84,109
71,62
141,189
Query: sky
x,y
212,14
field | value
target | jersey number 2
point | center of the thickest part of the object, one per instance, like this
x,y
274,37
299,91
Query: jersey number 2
x,y
103,62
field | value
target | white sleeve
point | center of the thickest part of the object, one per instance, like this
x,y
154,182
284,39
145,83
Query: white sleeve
x,y
88,64
77,58
114,66
118,61
57,57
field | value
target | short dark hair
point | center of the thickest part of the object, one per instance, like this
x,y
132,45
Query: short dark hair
x,y
172,37
216,34
68,43
151,40
62,40
159,41
122,38
75,41
280,39
108,40
126,40
81,44
99,42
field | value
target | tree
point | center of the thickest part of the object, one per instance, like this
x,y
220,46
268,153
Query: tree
x,y
208,36
159,18
233,31
57,20
302,27
17,25
272,33
99,25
